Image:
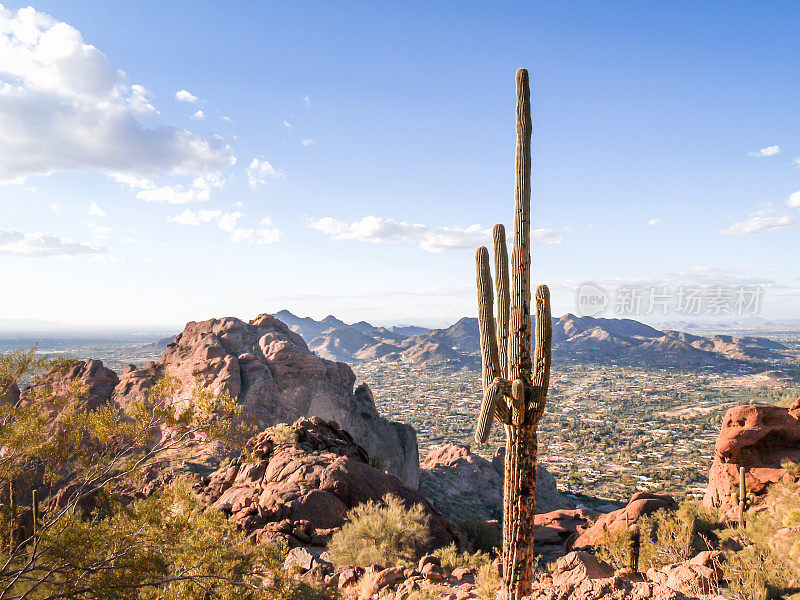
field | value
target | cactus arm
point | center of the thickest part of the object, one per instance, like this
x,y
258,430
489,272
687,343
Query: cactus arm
x,y
542,354
520,334
503,297
489,358
492,399
517,403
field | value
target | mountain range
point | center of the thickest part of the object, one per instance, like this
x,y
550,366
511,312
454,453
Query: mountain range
x,y
574,338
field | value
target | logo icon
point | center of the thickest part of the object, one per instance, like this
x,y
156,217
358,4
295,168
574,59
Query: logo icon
x,y
591,300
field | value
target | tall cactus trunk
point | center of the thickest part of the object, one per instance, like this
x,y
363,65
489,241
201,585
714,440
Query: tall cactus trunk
x,y
519,508
516,374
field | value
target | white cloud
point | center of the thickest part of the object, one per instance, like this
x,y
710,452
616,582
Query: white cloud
x,y
199,116
190,217
54,207
96,211
768,151
763,220
307,99
307,142
260,171
184,96
226,118
796,161
655,221
101,232
63,107
139,102
390,231
227,222
287,124
794,200
258,236
199,191
16,243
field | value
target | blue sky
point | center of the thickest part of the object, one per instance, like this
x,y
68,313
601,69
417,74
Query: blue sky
x,y
347,158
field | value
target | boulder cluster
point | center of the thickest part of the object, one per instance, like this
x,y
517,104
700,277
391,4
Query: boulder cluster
x,y
299,490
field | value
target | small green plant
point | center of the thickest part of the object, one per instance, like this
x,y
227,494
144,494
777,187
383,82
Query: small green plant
x,y
614,546
665,537
452,559
281,434
769,564
385,533
487,583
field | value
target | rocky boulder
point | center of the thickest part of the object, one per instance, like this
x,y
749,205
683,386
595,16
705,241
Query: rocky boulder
x,y
641,504
463,484
9,392
98,382
301,490
269,369
760,439
556,531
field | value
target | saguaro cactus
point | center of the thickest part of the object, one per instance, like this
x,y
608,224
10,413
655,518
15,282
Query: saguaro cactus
x,y
742,498
515,375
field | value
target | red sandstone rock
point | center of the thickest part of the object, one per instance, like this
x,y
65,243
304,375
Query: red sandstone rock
x,y
9,392
758,438
301,490
270,371
640,504
99,381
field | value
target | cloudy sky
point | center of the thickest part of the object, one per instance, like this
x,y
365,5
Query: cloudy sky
x,y
164,162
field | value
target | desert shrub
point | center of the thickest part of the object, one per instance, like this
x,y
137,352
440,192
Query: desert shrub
x,y
487,583
282,433
164,547
484,535
665,537
670,537
385,533
452,559
614,547
770,561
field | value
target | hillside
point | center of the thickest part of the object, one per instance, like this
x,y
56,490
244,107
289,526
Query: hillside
x,y
574,338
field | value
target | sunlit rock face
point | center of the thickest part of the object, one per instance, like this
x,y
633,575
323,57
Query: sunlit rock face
x,y
269,369
760,439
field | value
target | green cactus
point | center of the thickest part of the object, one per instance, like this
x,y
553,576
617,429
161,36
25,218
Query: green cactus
x,y
515,374
744,500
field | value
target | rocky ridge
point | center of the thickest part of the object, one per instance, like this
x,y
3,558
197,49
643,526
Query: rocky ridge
x,y
583,338
270,371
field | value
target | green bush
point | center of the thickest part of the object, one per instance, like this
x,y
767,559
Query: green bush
x,y
666,537
385,533
487,583
452,559
770,560
281,434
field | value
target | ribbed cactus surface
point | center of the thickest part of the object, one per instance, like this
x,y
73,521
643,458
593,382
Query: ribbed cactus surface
x,y
516,372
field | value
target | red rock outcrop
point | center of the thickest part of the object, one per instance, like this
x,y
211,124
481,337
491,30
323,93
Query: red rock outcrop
x,y
98,380
640,505
758,438
9,392
556,531
269,369
299,491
